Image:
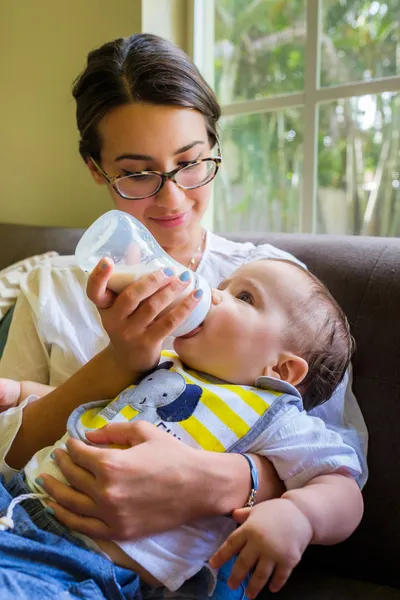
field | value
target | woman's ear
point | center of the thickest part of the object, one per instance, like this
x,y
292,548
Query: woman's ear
x,y
97,176
290,368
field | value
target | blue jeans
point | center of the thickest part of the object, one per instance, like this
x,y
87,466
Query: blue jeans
x,y
42,559
222,591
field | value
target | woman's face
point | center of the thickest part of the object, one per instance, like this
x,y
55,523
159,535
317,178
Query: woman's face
x,y
147,137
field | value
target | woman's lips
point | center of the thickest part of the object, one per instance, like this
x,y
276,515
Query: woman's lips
x,y
170,221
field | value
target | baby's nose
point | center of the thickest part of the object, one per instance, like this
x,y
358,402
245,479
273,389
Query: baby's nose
x,y
216,296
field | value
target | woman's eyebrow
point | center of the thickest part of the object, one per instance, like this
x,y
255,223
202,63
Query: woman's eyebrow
x,y
130,156
188,147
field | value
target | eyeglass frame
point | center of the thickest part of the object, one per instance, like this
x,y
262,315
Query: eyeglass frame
x,y
164,175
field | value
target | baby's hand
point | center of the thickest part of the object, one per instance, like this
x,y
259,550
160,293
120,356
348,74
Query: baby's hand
x,y
10,392
270,542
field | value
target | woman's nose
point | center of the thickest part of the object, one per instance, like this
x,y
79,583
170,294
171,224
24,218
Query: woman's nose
x,y
170,196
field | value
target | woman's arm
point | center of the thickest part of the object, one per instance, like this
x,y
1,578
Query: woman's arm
x,y
102,377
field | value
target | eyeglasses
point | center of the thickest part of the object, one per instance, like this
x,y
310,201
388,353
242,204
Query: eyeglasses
x,y
145,184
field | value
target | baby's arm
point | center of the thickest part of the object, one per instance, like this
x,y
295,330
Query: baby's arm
x,y
274,534
13,392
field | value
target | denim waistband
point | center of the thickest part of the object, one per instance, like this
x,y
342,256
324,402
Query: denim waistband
x,y
36,511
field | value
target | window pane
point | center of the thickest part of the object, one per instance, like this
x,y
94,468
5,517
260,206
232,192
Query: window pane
x,y
359,166
258,186
359,41
259,48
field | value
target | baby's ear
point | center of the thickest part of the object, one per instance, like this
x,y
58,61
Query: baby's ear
x,y
290,368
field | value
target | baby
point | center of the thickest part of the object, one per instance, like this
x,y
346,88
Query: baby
x,y
274,343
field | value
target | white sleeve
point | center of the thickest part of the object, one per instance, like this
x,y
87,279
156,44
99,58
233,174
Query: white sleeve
x,y
10,422
25,355
301,448
25,358
342,415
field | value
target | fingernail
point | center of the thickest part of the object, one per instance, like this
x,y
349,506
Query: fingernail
x,y
49,510
198,294
53,456
168,272
103,265
39,481
185,276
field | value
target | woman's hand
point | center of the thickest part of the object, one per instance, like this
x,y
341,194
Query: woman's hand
x,y
124,494
132,319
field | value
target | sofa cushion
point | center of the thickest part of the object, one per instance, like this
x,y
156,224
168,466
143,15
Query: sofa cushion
x,y
310,585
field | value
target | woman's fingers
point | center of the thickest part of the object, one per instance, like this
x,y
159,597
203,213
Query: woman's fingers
x,y
68,497
166,324
90,526
96,288
78,465
154,306
132,296
123,434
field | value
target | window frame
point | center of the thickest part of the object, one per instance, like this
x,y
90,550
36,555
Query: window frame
x,y
201,41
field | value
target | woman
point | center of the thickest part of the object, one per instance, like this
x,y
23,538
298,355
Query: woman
x,y
145,117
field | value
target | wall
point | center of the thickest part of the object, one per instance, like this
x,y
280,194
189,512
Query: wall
x,y
43,46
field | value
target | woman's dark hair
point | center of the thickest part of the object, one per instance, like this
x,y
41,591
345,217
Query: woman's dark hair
x,y
140,68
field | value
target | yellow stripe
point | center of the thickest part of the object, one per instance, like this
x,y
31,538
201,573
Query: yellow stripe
x,y
224,412
202,435
253,400
92,420
256,402
128,412
168,354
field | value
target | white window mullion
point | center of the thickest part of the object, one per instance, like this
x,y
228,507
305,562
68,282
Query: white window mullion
x,y
311,85
201,34
201,17
359,88
269,104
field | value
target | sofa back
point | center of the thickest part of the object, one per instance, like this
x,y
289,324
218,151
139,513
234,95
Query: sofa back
x,y
363,274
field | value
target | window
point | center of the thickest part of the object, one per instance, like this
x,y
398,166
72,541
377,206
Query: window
x,y
310,93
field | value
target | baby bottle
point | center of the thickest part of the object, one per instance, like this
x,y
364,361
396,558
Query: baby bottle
x,y
135,252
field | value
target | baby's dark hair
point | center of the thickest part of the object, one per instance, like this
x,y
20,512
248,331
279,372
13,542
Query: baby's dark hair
x,y
319,332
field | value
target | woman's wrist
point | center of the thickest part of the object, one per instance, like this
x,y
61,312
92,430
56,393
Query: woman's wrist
x,y
226,478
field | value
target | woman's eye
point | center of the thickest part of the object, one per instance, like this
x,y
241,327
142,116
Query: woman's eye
x,y
245,297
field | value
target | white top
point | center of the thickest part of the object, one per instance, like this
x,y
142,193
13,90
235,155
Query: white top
x,y
55,330
268,420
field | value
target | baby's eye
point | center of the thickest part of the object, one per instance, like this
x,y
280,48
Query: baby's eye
x,y
245,297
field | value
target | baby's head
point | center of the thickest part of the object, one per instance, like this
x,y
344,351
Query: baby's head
x,y
273,318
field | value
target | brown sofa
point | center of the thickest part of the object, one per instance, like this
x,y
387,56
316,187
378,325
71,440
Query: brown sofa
x,y
364,276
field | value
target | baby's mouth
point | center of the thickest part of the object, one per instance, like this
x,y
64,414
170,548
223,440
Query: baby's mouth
x,y
191,333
